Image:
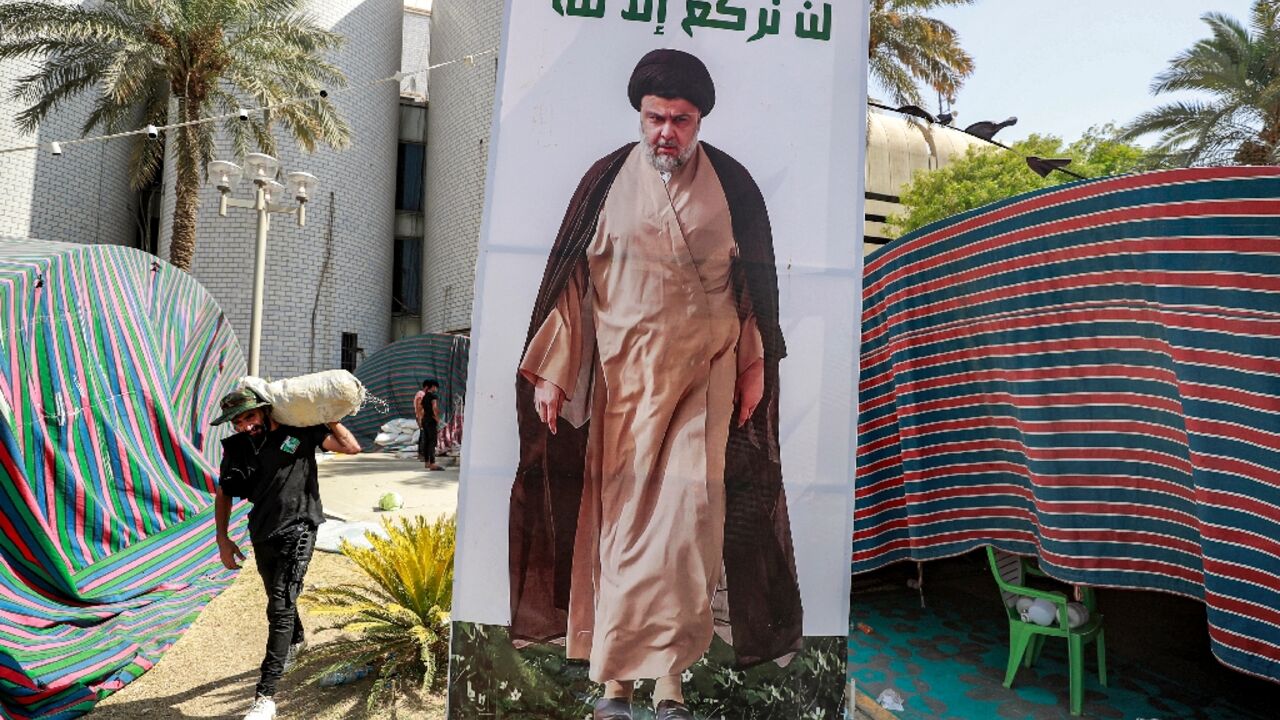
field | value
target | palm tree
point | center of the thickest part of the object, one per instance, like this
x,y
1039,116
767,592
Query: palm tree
x,y
909,48
208,56
1239,70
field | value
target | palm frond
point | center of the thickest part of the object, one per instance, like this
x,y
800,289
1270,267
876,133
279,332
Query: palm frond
x,y
317,122
1165,118
53,26
71,82
125,75
139,90
60,69
908,48
270,34
924,5
1237,69
146,156
895,79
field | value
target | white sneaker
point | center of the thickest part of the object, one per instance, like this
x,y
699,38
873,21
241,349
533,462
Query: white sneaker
x,y
264,708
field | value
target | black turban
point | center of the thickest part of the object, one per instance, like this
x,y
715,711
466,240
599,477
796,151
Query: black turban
x,y
672,74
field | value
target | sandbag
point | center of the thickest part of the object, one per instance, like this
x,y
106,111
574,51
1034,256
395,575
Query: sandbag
x,y
313,399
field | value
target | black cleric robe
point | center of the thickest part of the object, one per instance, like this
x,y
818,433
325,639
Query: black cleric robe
x,y
764,597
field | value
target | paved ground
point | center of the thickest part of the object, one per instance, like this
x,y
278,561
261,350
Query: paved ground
x,y
350,486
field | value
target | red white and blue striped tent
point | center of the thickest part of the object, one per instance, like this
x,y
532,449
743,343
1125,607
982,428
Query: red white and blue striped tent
x,y
111,367
1089,374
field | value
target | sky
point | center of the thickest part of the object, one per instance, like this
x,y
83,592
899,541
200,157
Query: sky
x,y
1062,66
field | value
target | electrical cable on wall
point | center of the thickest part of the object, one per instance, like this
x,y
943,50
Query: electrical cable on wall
x,y
324,273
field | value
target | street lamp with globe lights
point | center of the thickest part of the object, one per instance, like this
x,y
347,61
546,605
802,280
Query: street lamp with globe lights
x,y
267,196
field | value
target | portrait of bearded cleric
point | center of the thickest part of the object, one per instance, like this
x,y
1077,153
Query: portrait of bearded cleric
x,y
648,511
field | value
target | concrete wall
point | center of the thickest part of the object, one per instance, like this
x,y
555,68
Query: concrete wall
x,y
457,156
334,275
82,196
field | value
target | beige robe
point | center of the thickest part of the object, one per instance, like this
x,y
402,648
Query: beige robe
x,y
652,311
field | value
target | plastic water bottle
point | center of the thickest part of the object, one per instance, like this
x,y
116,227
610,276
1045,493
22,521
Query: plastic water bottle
x,y
344,675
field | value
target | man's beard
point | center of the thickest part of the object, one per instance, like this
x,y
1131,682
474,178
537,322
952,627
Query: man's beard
x,y
667,163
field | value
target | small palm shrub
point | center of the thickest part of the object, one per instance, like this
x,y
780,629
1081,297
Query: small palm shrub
x,y
398,621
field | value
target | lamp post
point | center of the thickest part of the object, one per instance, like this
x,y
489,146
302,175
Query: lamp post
x,y
262,170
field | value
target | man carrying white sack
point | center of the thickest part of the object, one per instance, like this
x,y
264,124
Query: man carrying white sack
x,y
273,466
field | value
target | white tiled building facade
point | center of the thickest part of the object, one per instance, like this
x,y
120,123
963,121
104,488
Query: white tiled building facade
x,y
457,156
81,196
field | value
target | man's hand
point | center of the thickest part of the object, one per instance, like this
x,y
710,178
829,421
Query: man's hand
x,y
548,398
749,390
229,552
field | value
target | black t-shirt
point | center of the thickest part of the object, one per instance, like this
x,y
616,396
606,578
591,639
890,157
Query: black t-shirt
x,y
277,473
428,412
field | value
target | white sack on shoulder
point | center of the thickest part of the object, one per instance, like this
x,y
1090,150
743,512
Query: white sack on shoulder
x,y
313,399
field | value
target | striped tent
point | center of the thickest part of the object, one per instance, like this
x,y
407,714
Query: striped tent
x,y
1090,374
111,366
395,374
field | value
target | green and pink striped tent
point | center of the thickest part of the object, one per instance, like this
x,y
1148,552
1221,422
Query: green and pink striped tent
x,y
111,366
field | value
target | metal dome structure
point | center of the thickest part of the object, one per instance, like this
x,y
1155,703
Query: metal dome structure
x,y
897,148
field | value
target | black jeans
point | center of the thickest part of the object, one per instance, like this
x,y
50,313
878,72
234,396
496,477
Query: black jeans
x,y
428,435
282,562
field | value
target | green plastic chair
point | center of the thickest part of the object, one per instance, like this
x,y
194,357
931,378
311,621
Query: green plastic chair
x,y
1026,638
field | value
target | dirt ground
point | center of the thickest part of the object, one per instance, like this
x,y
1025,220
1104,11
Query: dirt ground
x,y
212,669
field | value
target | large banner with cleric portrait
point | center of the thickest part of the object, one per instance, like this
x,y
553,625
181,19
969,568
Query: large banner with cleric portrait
x,y
656,496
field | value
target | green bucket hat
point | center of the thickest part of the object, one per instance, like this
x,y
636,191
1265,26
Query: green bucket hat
x,y
239,402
